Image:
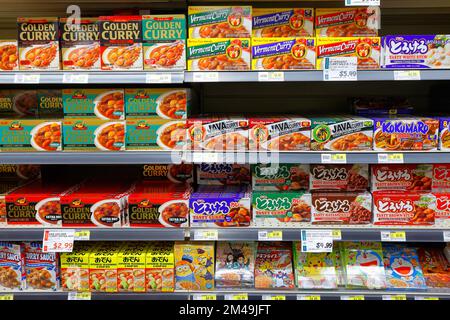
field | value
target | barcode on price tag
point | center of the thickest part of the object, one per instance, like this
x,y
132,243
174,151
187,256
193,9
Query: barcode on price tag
x,y
204,297
334,158
206,235
27,78
79,296
274,235
75,78
305,297
352,297
206,77
401,75
362,3
158,77
390,158
82,235
317,240
271,76
396,297
273,297
340,69
58,240
237,296
393,236
6,297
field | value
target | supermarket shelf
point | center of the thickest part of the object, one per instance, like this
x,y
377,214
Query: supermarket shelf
x,y
102,296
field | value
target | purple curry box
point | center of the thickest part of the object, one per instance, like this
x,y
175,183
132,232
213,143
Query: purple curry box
x,y
416,52
220,206
444,133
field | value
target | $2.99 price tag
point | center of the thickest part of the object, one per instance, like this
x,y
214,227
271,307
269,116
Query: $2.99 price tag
x,y
58,240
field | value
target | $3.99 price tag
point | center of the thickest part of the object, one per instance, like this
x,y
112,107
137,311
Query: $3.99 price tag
x,y
58,240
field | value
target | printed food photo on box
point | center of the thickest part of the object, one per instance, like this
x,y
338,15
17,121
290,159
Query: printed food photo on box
x,y
38,44
219,54
49,104
131,267
9,55
416,51
41,268
223,174
405,133
165,103
435,267
283,53
175,173
18,103
80,45
75,269
12,272
159,267
121,43
220,21
442,214
19,172
441,177
282,22
280,177
339,177
164,41
402,177
103,261
444,133
384,105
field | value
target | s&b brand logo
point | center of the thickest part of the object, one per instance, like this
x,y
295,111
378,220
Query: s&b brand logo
x,y
79,125
15,125
21,202
76,203
145,204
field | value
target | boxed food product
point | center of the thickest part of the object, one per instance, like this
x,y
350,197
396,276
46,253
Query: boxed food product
x,y
105,104
338,264
444,133
403,208
375,106
223,174
18,103
435,266
159,267
21,172
217,134
341,133
30,135
155,134
41,268
93,135
165,103
314,270
103,263
5,188
341,208
9,55
220,21
283,22
283,53
176,173
159,204
281,176
49,104
403,177
442,213
220,206
347,22
194,265
273,266
80,45
366,50
75,269
12,272
235,264
38,44
219,54
403,271
363,265
121,42
405,133
416,51
164,41
131,267
282,206
340,177
279,133
441,178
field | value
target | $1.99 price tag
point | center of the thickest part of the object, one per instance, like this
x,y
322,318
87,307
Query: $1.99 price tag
x,y
58,240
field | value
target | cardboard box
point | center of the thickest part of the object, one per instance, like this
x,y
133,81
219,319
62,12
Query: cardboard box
x,y
402,177
442,207
444,133
440,181
280,177
75,269
223,174
9,55
103,263
131,267
175,173
12,271
339,177
159,267
283,22
41,268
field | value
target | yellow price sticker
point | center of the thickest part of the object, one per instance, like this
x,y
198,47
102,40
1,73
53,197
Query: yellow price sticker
x,y
311,298
208,297
275,234
397,297
336,234
428,298
7,297
398,235
395,157
406,74
393,236
352,298
278,298
240,296
83,235
339,158
212,235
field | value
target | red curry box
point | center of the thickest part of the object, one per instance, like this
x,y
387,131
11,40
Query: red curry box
x,y
176,173
402,177
157,204
403,208
279,133
441,177
339,177
223,174
442,207
121,42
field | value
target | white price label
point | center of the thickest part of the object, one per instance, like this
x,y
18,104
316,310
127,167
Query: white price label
x,y
396,297
237,296
58,240
208,157
390,158
427,298
273,297
204,297
271,76
340,69
399,236
207,235
158,78
334,158
274,235
79,296
27,78
308,298
352,297
82,235
206,77
350,3
317,240
446,236
401,75
75,78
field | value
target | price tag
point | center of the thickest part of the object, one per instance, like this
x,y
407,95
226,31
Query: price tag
x,y
317,240
399,236
273,297
75,78
82,235
271,76
352,297
350,3
336,234
401,75
310,298
27,78
58,240
274,235
206,235
447,236
79,296
340,69
238,296
394,297
206,77
427,298
6,297
204,297
334,158
390,158
158,77
207,157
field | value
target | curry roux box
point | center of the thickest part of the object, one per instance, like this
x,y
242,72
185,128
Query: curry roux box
x,y
38,44
42,103
403,177
280,177
121,42
339,177
176,173
223,174
441,178
283,22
